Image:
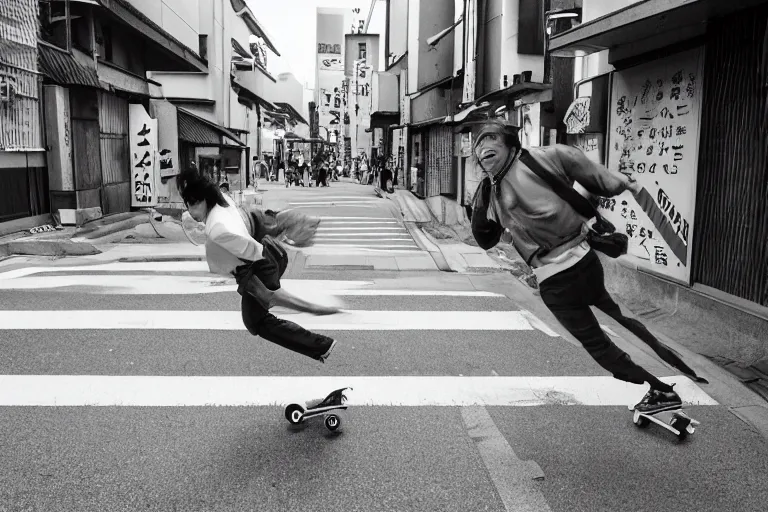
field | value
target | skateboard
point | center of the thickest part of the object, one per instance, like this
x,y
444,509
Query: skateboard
x,y
328,407
674,420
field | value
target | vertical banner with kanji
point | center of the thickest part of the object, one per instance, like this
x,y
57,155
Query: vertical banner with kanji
x,y
143,142
654,139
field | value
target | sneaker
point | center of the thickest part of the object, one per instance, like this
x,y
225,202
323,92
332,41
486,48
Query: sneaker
x,y
328,352
657,401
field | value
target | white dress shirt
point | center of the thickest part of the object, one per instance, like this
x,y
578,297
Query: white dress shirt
x,y
228,240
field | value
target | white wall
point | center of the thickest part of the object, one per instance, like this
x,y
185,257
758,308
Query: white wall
x,y
289,90
593,9
413,45
513,63
180,18
458,39
398,27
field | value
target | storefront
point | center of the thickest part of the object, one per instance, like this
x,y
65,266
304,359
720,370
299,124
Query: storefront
x,y
687,118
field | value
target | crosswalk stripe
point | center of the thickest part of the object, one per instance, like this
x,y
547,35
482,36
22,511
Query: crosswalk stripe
x,y
401,239
357,218
192,285
370,235
322,228
342,202
374,223
355,246
408,391
348,320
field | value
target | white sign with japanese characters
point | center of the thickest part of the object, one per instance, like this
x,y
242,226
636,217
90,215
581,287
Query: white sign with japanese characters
x,y
654,138
143,141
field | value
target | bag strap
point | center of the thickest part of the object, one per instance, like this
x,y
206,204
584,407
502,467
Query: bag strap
x,y
579,203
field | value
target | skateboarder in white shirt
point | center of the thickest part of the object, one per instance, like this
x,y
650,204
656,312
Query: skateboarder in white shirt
x,y
231,249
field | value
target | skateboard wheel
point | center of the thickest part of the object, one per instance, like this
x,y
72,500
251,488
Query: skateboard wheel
x,y
681,426
641,421
333,422
294,413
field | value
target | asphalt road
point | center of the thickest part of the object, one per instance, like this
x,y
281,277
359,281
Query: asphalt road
x,y
556,454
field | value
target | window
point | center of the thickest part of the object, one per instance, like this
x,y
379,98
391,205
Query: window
x,y
361,51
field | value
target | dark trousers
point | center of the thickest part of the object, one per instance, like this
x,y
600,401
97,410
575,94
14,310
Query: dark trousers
x,y
569,295
260,322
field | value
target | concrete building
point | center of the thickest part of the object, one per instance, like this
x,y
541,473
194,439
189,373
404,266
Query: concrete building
x,y
24,201
222,111
361,63
672,94
330,83
105,153
160,85
457,63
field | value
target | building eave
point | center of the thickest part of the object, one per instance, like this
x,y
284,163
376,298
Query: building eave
x,y
642,21
135,19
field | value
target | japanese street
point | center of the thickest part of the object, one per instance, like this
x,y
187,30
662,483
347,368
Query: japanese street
x,y
133,385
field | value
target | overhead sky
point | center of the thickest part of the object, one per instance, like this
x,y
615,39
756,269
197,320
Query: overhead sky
x,y
291,24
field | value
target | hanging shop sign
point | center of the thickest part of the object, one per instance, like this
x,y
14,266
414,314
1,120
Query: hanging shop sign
x,y
143,141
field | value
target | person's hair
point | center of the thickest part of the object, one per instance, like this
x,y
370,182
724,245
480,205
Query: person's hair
x,y
498,127
195,187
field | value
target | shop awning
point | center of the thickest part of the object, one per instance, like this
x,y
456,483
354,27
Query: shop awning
x,y
674,20
514,91
427,122
292,112
384,119
162,44
201,132
470,112
62,68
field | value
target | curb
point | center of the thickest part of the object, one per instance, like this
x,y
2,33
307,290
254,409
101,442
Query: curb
x,y
48,248
424,243
159,259
109,229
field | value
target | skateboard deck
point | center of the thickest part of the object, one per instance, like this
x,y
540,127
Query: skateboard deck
x,y
330,408
674,420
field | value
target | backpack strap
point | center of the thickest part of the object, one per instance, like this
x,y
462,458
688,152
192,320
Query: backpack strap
x,y
579,203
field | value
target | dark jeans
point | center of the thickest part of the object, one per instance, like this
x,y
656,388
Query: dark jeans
x,y
569,295
260,322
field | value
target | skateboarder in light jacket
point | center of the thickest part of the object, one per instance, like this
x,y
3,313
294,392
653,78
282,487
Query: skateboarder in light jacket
x,y
239,244
552,237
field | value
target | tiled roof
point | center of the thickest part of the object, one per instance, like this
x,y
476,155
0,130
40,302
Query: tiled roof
x,y
61,67
197,130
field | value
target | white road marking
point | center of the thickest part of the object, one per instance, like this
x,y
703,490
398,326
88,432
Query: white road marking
x,y
607,330
369,229
401,239
409,391
357,218
367,235
348,205
187,285
358,222
339,203
538,324
513,478
150,266
356,246
352,320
